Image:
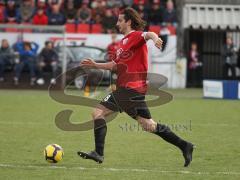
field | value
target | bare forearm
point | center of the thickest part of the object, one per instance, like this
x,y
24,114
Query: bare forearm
x,y
106,66
151,35
154,37
90,63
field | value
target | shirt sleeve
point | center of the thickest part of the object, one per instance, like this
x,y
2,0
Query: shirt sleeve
x,y
138,39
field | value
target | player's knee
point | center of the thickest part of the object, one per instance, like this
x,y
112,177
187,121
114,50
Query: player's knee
x,y
96,114
147,125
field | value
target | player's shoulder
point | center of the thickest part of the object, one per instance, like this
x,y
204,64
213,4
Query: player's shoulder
x,y
135,34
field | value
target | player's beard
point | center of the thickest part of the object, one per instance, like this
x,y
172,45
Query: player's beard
x,y
121,29
118,28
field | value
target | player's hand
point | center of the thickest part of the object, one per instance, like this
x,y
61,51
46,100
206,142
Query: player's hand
x,y
88,63
158,43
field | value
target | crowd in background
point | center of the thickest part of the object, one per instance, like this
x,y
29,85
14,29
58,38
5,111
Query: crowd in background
x,y
24,55
104,12
231,58
230,62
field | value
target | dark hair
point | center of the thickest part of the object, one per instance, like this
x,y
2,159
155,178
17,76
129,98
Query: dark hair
x,y
136,21
4,40
48,42
27,44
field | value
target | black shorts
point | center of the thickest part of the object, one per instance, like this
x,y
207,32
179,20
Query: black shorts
x,y
129,101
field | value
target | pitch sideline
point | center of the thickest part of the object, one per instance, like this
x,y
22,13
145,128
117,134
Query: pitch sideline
x,y
118,169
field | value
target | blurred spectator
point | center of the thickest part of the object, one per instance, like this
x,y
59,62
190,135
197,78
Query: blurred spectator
x,y
115,11
26,11
110,3
27,52
97,19
139,1
114,3
84,13
142,10
194,72
136,3
239,59
126,3
2,7
70,12
109,21
229,53
57,2
56,17
48,59
98,10
17,2
98,4
41,4
77,3
169,14
40,18
11,13
6,57
50,6
155,13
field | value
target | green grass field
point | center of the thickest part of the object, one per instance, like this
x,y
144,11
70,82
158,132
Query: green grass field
x,y
27,126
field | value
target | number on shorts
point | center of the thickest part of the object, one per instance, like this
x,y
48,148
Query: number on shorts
x,y
106,98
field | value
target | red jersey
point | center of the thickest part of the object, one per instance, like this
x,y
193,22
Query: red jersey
x,y
132,62
1,13
40,19
111,50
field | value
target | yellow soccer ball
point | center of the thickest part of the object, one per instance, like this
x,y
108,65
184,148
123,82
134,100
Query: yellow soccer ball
x,y
53,153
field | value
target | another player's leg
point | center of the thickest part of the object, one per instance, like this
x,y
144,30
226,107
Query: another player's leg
x,y
165,133
18,70
100,131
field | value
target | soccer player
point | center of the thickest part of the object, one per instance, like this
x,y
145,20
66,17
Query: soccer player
x,y
132,57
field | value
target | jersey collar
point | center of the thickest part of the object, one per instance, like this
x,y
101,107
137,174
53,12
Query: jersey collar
x,y
129,33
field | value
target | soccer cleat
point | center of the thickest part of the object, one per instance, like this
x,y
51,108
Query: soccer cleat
x,y
187,153
91,155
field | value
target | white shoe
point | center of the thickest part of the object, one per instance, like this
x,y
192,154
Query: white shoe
x,y
15,80
53,81
40,81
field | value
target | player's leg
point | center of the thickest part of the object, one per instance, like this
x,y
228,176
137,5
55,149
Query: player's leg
x,y
31,66
233,72
137,109
99,114
100,128
225,71
2,67
18,69
54,70
165,133
40,67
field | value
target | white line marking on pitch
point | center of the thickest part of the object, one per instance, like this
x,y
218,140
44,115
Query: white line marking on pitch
x,y
118,169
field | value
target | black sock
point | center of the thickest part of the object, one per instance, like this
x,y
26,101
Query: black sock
x,y
165,132
100,131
